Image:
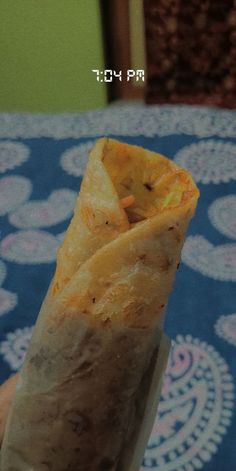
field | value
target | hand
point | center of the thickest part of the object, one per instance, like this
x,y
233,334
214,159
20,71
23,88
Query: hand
x,y
7,390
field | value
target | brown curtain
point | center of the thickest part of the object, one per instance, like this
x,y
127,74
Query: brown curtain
x,y
191,51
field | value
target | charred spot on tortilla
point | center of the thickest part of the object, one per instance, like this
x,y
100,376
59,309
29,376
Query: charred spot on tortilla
x,y
142,257
85,369
47,463
148,186
106,464
79,422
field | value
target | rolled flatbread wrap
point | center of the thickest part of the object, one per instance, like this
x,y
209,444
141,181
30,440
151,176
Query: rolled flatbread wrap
x,y
6,393
78,393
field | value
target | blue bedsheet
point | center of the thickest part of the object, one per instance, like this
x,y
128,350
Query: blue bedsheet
x,y
42,160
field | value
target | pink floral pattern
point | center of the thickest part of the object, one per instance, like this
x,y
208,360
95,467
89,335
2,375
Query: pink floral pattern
x,y
195,410
74,159
204,160
217,262
222,214
8,300
225,327
14,191
14,347
29,247
56,208
12,154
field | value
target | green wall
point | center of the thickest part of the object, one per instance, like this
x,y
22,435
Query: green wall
x,y
47,51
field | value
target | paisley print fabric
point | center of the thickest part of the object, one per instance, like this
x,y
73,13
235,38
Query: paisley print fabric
x,y
210,161
74,160
196,408
14,347
225,327
218,262
56,208
222,214
12,154
8,300
14,191
29,247
42,160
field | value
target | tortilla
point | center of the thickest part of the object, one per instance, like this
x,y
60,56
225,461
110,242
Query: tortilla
x,y
78,392
6,393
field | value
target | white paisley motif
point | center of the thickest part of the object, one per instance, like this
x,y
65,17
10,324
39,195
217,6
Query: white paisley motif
x,y
222,214
12,154
218,262
29,247
74,159
8,300
225,327
56,208
210,161
14,190
195,410
121,121
13,349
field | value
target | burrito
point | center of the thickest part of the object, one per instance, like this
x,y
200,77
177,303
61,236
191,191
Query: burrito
x,y
6,393
79,391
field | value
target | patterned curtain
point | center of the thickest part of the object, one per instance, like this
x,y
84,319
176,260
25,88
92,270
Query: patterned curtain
x,y
191,51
